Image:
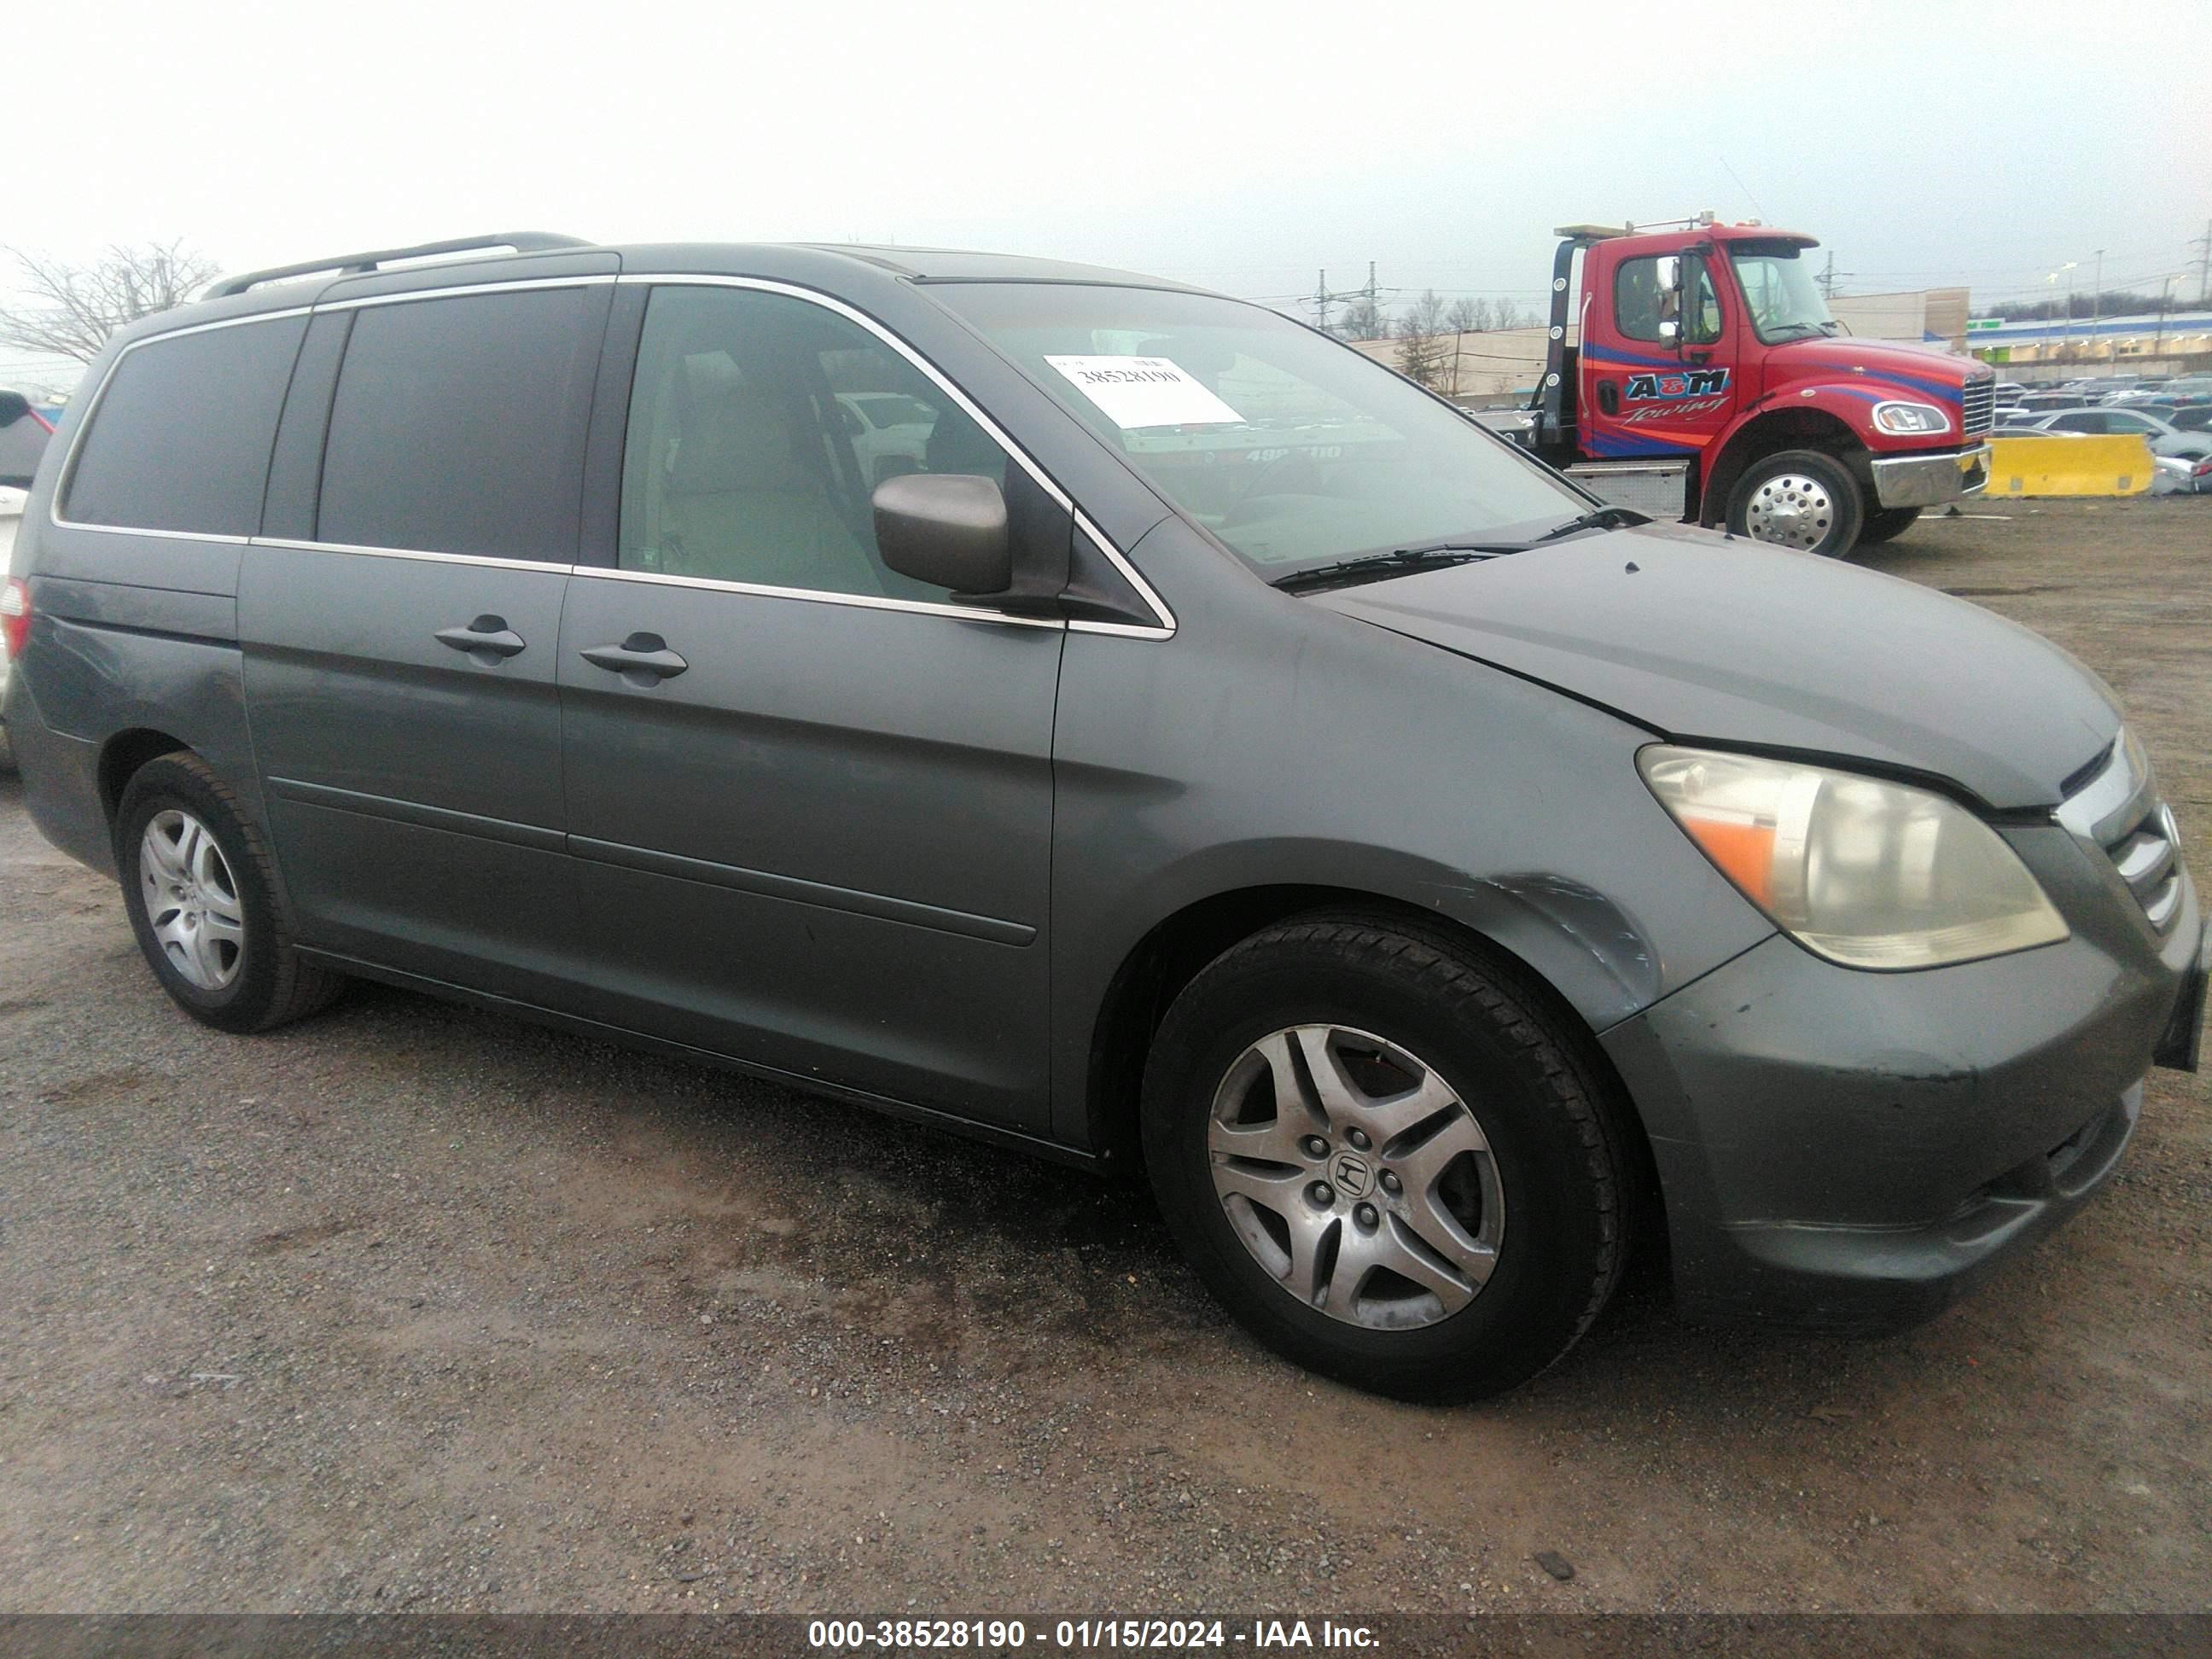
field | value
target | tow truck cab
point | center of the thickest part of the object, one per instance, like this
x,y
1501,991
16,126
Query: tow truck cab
x,y
1699,370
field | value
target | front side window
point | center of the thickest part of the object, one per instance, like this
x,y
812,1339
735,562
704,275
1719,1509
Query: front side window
x,y
458,424
760,425
1779,290
180,435
1290,449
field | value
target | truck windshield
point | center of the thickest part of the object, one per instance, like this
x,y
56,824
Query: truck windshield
x,y
1290,449
1779,292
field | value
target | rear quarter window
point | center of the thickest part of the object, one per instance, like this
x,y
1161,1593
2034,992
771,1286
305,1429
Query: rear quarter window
x,y
181,434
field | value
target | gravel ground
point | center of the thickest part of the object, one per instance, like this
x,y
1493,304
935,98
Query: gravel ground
x,y
415,1307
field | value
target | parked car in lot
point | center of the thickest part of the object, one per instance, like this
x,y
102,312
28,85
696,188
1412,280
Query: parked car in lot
x,y
2163,439
889,430
1222,759
23,434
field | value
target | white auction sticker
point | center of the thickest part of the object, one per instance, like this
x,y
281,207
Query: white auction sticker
x,y
1137,392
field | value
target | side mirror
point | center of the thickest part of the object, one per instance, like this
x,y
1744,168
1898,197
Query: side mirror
x,y
14,406
948,529
1670,331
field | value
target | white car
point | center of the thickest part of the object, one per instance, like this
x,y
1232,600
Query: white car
x,y
2163,437
890,432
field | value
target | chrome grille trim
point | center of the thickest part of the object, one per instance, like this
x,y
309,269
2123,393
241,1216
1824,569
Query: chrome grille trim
x,y
1977,406
2119,809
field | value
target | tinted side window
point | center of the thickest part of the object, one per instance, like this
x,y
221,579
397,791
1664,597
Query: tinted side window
x,y
1638,302
179,439
754,444
458,424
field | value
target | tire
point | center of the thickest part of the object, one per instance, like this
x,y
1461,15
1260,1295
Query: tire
x,y
1886,524
1531,1165
214,934
1799,498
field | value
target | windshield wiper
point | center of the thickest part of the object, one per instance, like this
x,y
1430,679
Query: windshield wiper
x,y
1398,562
1437,556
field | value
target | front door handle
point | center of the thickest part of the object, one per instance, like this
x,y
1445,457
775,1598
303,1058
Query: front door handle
x,y
642,659
486,640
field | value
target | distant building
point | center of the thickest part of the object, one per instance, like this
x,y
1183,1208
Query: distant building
x,y
2057,349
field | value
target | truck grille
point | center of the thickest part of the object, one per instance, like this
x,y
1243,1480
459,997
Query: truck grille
x,y
1979,412
2118,808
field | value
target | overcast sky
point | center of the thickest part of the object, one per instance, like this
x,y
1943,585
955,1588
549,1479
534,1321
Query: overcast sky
x,y
1241,146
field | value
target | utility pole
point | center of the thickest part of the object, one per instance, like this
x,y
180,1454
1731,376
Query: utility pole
x,y
1828,276
1323,298
2204,266
2097,303
2164,298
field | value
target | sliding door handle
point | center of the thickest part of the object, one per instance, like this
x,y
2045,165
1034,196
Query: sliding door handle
x,y
642,659
486,639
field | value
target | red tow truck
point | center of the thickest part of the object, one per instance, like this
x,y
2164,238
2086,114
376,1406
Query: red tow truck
x,y
1698,370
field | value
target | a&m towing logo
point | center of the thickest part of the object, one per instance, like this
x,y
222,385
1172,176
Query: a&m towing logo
x,y
1690,383
1671,397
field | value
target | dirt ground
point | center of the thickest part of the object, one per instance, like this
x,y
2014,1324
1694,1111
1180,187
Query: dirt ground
x,y
417,1307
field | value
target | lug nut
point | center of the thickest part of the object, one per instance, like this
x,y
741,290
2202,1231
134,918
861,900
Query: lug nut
x,y
1323,1193
1358,1140
1391,1182
1365,1216
1315,1146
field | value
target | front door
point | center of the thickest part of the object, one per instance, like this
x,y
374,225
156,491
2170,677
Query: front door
x,y
1656,380
401,629
810,800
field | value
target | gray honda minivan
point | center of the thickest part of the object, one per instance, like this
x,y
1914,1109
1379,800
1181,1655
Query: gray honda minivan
x,y
1212,755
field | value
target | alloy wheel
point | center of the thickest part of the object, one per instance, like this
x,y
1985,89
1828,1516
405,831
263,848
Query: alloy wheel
x,y
191,900
1356,1177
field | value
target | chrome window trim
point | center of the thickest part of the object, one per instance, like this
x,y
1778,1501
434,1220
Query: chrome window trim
x,y
464,290
68,475
1166,621
428,555
821,596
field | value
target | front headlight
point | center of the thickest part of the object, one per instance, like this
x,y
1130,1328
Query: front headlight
x,y
1866,873
1910,420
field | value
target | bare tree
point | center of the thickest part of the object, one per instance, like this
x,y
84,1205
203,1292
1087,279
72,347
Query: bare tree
x,y
73,309
1508,315
1361,320
1425,354
1467,316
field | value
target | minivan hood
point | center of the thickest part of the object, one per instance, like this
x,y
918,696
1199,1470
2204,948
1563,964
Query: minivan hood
x,y
1735,643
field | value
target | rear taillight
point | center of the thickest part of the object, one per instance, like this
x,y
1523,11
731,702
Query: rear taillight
x,y
14,618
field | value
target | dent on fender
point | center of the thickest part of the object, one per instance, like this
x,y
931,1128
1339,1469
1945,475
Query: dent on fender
x,y
1595,924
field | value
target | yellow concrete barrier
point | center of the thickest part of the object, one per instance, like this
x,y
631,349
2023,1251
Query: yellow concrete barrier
x,y
2070,465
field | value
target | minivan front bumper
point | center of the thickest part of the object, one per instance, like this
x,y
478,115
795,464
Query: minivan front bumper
x,y
1849,1151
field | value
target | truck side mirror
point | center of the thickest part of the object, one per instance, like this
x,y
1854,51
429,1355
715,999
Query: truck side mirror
x,y
1670,331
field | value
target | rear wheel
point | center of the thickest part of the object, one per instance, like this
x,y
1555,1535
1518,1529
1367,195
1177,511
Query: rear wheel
x,y
1886,524
1385,1159
1799,498
201,891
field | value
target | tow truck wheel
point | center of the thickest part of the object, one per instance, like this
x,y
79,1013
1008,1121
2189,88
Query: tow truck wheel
x,y
1800,498
1886,524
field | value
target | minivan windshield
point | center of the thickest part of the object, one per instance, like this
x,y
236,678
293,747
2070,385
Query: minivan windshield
x,y
1292,450
1779,291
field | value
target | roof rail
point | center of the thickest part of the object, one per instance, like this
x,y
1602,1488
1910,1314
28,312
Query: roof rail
x,y
352,264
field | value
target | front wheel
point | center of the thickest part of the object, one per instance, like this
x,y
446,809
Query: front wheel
x,y
1385,1159
1799,498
